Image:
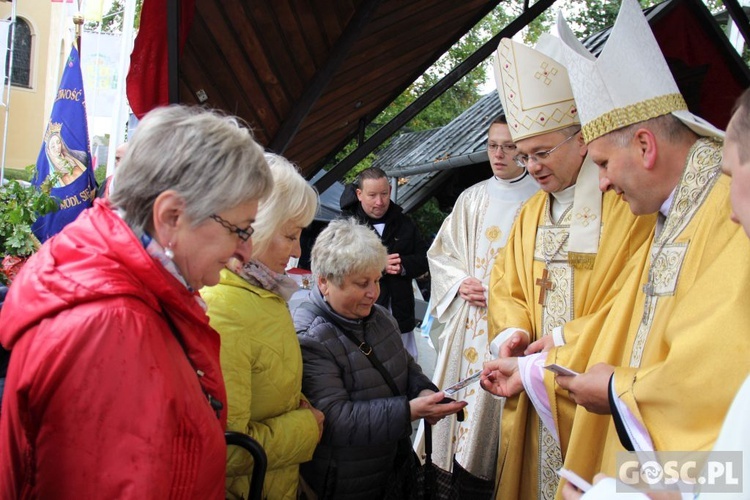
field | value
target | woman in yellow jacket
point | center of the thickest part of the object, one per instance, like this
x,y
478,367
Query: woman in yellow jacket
x,y
260,355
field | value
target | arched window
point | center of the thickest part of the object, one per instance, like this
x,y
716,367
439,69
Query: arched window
x,y
21,72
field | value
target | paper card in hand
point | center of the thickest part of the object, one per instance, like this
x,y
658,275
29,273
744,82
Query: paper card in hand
x,y
560,370
463,383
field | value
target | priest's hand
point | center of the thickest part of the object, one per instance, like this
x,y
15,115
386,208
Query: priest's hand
x,y
473,292
544,344
515,345
590,389
501,377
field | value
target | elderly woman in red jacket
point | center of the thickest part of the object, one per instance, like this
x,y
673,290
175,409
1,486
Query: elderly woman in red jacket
x,y
114,388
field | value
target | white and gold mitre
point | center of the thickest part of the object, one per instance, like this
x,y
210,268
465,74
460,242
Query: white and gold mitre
x,y
629,83
534,90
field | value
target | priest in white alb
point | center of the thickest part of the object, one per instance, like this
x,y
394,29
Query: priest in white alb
x,y
461,259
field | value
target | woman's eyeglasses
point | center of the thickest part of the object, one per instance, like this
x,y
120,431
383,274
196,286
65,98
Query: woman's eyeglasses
x,y
243,234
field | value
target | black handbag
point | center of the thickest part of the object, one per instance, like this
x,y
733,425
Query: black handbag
x,y
467,485
433,483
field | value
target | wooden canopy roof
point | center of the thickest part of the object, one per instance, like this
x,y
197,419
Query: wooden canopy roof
x,y
307,75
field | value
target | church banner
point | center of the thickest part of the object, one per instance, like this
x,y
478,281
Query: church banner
x,y
66,152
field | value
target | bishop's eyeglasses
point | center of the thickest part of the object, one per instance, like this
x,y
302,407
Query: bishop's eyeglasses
x,y
523,160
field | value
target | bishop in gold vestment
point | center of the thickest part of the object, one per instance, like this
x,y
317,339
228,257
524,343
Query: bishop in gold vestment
x,y
686,325
564,253
679,320
530,454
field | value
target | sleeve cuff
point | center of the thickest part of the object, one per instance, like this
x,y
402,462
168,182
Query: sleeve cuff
x,y
531,369
632,433
558,335
500,339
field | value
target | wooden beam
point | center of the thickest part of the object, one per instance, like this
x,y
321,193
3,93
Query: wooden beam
x,y
430,96
740,19
323,76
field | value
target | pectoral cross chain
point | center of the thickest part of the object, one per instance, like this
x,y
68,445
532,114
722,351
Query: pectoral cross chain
x,y
545,285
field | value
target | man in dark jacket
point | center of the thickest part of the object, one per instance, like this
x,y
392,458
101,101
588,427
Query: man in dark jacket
x,y
407,251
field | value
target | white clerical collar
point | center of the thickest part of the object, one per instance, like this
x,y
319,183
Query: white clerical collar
x,y
565,197
508,182
561,201
664,209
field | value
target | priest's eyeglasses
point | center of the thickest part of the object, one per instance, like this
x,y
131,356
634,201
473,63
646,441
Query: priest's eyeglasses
x,y
507,149
523,160
243,234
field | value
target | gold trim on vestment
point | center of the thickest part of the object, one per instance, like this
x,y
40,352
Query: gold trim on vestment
x,y
632,113
702,169
581,260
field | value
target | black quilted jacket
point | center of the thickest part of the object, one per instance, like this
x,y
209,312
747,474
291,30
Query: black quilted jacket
x,y
364,420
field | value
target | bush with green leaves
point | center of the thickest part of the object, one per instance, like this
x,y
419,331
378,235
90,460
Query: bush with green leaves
x,y
20,206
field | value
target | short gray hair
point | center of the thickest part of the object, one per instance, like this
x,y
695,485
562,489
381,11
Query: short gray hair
x,y
292,200
667,127
344,248
207,158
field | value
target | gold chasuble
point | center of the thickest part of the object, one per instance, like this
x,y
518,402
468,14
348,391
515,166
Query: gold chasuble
x,y
673,326
529,453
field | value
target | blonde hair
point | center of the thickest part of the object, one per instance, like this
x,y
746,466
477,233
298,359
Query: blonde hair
x,y
291,200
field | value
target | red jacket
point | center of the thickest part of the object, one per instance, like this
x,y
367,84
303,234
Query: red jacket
x,y
101,400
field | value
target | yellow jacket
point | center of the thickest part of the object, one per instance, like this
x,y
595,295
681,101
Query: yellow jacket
x,y
262,366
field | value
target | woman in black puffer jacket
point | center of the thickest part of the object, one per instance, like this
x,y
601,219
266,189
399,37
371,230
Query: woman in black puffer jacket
x,y
365,418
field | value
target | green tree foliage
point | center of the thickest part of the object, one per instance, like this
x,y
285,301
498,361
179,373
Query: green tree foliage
x,y
588,17
428,219
455,100
460,96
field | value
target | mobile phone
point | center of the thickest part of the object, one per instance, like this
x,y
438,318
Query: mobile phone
x,y
460,414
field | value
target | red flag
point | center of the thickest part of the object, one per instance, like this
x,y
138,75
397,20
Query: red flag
x,y
148,79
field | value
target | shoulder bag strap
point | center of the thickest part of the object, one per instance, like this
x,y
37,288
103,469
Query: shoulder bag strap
x,y
363,346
